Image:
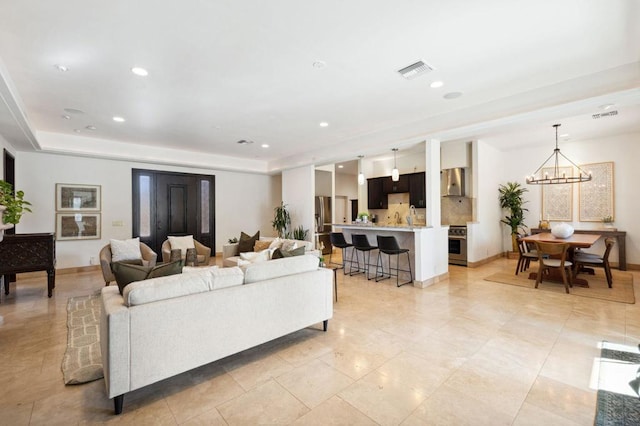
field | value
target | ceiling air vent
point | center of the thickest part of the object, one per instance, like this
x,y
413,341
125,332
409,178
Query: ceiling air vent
x,y
604,114
415,70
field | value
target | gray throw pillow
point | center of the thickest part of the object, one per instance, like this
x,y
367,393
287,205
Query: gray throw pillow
x,y
126,273
279,254
246,242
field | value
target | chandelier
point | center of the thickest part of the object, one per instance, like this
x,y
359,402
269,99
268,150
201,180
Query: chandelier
x,y
557,177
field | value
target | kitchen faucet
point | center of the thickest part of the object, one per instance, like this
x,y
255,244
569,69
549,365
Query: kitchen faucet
x,y
397,216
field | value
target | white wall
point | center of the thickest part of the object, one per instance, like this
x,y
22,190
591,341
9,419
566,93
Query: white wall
x,y
244,202
298,186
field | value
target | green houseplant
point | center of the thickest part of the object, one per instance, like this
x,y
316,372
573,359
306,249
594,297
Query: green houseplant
x,y
300,233
511,199
281,220
15,203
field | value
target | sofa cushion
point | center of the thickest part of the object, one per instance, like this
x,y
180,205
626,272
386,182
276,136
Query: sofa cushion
x,y
247,242
280,253
127,273
125,249
182,243
253,256
226,277
279,268
161,288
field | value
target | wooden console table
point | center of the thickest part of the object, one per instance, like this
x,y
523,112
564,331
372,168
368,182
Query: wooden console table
x,y
620,237
28,253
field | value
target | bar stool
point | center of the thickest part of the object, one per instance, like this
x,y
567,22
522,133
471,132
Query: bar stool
x,y
361,243
337,240
389,246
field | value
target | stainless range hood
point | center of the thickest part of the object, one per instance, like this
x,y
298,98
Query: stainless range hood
x,y
452,182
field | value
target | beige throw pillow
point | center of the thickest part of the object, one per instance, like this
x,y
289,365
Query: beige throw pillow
x,y
182,243
261,245
125,249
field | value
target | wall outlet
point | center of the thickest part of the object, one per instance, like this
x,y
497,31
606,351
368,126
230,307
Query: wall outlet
x,y
92,260
117,223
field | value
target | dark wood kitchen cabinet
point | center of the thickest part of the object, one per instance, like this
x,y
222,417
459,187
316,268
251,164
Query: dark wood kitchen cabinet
x,y
391,187
377,199
417,190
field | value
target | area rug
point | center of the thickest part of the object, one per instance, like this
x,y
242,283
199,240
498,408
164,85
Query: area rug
x,y
82,360
618,385
622,290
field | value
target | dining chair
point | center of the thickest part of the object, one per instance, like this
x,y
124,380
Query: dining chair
x,y
581,260
526,255
547,262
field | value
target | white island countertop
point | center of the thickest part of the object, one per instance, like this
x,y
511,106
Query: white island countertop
x,y
376,227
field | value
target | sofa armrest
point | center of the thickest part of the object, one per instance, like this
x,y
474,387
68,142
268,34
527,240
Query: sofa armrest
x,y
114,342
230,250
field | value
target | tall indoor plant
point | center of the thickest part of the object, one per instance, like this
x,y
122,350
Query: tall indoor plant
x,y
281,220
15,203
511,198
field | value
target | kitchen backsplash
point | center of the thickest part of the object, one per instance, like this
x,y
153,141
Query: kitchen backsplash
x,y
456,210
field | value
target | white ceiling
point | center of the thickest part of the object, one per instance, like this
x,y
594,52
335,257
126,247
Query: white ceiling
x,y
221,71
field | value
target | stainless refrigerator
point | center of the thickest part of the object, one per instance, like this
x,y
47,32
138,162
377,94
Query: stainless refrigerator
x,y
323,222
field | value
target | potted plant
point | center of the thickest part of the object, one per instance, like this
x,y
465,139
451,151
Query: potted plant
x,y
281,220
363,216
14,203
511,198
300,233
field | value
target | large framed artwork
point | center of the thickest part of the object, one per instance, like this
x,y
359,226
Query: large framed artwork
x,y
78,198
557,200
77,226
596,196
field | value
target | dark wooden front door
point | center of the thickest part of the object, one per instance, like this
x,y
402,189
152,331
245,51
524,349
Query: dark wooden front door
x,y
166,203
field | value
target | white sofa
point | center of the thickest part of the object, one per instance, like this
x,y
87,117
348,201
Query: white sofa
x,y
165,326
231,255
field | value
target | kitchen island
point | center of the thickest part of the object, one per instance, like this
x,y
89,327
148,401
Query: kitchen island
x,y
427,248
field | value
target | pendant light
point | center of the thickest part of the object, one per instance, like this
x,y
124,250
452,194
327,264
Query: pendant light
x,y
360,174
395,175
557,177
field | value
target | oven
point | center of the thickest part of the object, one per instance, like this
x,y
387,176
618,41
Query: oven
x,y
458,245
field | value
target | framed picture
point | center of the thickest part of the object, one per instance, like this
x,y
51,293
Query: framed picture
x,y
78,198
596,196
77,226
557,200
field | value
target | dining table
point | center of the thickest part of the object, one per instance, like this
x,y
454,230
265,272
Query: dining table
x,y
575,241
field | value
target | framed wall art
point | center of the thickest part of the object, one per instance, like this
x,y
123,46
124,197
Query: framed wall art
x,y
77,226
557,200
78,198
596,196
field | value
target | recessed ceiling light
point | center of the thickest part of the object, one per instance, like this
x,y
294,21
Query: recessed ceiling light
x,y
140,71
73,111
452,95
244,142
324,124
564,135
77,130
319,64
91,127
265,145
436,84
606,106
66,117
340,166
61,67
118,119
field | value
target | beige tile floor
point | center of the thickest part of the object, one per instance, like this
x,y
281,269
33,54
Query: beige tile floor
x,y
462,352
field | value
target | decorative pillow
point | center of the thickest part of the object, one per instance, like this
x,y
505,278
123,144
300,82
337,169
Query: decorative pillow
x,y
126,273
125,249
261,245
182,243
276,244
280,253
247,242
166,269
288,245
